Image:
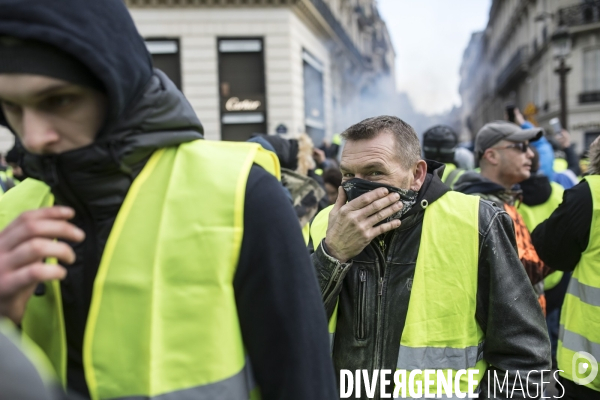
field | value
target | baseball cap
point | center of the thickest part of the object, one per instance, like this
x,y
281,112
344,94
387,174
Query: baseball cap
x,y
495,131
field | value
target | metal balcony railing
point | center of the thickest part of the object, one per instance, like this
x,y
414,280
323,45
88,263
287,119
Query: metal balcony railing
x,y
581,14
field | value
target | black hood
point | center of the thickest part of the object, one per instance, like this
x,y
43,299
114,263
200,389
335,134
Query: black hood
x,y
471,183
100,34
145,109
536,190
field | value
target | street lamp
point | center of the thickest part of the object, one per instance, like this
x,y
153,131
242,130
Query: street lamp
x,y
561,46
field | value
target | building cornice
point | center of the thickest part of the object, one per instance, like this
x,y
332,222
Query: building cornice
x,y
315,11
319,12
206,3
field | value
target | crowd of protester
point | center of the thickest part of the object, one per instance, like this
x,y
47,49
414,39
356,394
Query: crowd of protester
x,y
138,260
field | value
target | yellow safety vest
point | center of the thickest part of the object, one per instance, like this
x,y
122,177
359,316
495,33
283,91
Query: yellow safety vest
x,y
580,315
534,215
163,318
449,168
560,165
441,331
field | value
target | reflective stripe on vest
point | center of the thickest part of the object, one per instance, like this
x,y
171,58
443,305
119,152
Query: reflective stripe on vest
x,y
580,315
163,321
439,334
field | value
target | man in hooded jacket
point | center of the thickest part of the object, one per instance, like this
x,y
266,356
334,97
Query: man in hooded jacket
x,y
176,245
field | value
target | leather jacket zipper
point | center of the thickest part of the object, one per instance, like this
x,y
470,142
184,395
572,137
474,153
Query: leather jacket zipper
x,y
382,245
380,335
362,303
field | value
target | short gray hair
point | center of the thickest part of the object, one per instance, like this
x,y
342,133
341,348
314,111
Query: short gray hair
x,y
407,143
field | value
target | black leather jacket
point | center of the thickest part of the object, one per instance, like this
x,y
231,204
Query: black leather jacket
x,y
374,292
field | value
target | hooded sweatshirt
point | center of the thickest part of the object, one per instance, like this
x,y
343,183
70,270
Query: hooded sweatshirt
x,y
147,112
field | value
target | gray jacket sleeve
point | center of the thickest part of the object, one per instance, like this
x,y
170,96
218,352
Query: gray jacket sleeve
x,y
330,273
508,311
19,379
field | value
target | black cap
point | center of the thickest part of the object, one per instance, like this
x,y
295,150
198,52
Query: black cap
x,y
439,143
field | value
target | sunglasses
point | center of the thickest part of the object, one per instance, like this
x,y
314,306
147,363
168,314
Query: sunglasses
x,y
523,146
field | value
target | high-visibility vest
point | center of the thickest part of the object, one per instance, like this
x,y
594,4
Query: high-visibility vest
x,y
163,317
560,165
534,215
439,335
580,315
449,168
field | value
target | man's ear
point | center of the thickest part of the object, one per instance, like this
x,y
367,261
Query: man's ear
x,y
419,174
490,156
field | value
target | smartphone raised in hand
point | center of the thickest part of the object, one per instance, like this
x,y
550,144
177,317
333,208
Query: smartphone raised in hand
x,y
510,112
556,126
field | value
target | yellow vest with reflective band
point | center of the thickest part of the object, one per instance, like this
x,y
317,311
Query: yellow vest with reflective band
x,y
441,331
534,215
580,315
163,317
449,168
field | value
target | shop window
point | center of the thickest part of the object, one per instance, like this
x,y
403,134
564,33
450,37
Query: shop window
x,y
242,88
314,98
591,70
589,137
166,57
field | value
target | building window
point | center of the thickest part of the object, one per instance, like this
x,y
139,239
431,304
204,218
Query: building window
x,y
314,98
166,57
589,137
591,70
242,88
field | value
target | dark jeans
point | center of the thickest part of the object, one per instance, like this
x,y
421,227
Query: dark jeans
x,y
553,322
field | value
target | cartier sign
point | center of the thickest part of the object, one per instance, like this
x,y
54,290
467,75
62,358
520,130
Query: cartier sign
x,y
235,104
243,103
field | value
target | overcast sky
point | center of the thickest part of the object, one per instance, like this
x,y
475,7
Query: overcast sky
x,y
429,37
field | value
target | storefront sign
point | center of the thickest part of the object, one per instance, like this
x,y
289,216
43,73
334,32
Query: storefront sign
x,y
586,126
235,104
